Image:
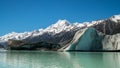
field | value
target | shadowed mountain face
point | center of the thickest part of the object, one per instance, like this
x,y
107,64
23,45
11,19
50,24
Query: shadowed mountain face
x,y
60,38
108,27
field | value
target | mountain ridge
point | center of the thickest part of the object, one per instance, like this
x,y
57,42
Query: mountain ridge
x,y
63,31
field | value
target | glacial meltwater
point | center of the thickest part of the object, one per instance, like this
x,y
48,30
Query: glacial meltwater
x,y
38,59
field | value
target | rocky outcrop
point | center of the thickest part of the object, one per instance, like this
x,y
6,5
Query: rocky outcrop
x,y
111,42
22,45
109,26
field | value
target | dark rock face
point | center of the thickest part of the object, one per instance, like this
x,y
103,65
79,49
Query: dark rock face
x,y
60,38
108,27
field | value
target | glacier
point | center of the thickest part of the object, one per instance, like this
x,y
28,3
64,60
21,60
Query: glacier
x,y
92,40
85,40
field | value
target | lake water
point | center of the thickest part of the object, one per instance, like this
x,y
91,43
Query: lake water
x,y
37,59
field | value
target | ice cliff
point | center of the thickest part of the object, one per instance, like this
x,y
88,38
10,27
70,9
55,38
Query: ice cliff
x,y
92,40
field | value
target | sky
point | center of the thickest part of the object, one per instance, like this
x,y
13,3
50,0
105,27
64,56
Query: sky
x,y
27,15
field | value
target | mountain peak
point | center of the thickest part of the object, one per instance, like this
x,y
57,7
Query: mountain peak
x,y
115,18
62,23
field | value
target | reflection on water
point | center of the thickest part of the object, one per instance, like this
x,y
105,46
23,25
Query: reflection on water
x,y
35,59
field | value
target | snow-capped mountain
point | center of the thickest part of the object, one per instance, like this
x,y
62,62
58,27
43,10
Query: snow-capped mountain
x,y
63,31
60,26
115,18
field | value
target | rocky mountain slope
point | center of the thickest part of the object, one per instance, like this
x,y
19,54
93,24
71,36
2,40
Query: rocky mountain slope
x,y
60,32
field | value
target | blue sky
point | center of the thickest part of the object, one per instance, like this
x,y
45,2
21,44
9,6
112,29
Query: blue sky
x,y
27,15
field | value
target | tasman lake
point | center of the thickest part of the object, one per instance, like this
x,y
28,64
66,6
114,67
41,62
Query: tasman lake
x,y
46,59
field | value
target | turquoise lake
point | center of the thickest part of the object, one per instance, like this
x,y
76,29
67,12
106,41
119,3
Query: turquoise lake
x,y
38,59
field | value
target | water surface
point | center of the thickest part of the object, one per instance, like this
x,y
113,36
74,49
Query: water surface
x,y
37,59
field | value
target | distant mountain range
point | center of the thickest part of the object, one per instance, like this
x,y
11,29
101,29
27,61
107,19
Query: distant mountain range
x,y
63,31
